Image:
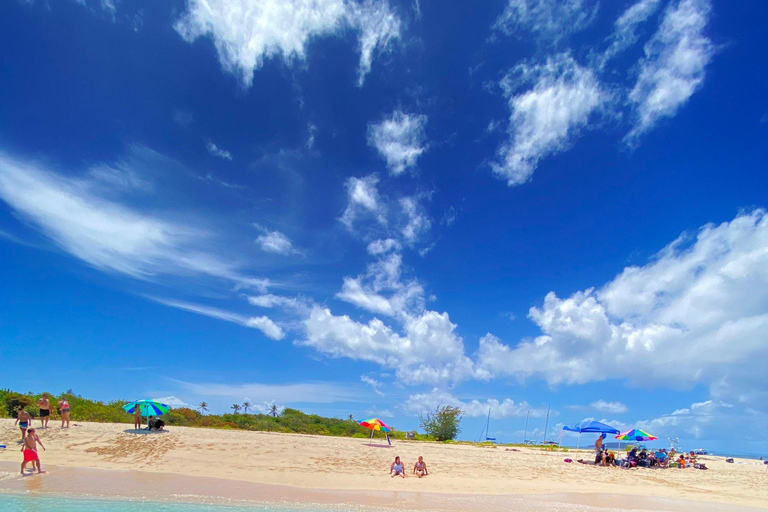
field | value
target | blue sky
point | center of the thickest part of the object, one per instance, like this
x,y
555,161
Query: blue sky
x,y
379,207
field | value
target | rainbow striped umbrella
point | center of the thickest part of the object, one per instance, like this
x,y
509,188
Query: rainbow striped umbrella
x,y
147,407
636,435
375,424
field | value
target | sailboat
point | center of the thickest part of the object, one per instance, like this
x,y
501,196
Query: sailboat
x,y
485,430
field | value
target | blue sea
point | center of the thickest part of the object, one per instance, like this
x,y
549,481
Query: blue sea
x,y
33,503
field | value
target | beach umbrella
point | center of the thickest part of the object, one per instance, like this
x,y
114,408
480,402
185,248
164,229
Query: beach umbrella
x,y
635,435
147,407
375,424
592,426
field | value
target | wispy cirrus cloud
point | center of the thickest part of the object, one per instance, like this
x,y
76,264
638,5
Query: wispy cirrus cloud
x,y
262,323
246,33
92,218
215,150
427,402
546,118
674,65
399,139
549,20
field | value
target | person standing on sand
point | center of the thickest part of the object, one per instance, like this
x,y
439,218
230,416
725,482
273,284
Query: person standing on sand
x,y
420,467
64,405
137,417
22,419
29,449
599,444
45,410
397,469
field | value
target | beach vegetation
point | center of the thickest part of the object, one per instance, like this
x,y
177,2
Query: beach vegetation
x,y
443,424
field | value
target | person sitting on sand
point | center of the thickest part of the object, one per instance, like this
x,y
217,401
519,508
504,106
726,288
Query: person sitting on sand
x,y
631,461
681,462
29,449
397,468
661,458
420,468
23,419
610,459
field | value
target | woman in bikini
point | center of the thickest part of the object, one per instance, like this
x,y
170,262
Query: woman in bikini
x,y
397,468
420,468
64,405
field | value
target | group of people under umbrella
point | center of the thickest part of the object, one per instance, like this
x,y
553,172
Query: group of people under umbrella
x,y
635,457
149,409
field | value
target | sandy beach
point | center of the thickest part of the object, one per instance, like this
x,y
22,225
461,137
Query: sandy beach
x,y
316,464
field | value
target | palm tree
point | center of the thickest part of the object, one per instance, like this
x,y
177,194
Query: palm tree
x,y
246,406
236,408
203,407
273,410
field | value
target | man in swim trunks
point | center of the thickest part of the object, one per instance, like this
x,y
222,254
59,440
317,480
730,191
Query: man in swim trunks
x,y
45,410
23,418
29,449
420,467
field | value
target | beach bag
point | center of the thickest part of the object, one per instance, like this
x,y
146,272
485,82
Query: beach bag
x,y
567,460
729,461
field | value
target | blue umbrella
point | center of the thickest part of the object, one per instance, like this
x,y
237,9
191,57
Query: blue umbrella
x,y
147,407
590,426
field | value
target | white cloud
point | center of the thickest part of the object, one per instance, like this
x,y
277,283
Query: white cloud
x,y
429,352
625,28
609,407
267,326
269,300
270,393
417,222
379,247
262,323
90,217
379,26
549,20
399,139
363,199
381,290
674,65
247,32
427,402
545,119
172,401
274,242
215,150
375,385
697,313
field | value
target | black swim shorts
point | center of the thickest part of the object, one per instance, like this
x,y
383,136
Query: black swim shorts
x,y
45,412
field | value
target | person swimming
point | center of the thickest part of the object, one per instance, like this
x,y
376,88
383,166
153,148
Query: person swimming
x,y
397,468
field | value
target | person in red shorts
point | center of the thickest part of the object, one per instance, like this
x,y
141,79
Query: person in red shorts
x,y
29,449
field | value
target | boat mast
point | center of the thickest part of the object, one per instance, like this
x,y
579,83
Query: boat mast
x,y
526,425
546,424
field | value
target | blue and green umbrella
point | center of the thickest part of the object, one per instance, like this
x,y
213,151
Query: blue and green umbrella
x,y
147,407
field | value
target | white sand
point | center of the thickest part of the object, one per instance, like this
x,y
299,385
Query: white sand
x,y
317,462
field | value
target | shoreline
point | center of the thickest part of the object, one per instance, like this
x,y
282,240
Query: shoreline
x,y
282,466
133,486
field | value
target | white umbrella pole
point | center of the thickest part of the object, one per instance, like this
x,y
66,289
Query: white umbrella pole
x,y
578,443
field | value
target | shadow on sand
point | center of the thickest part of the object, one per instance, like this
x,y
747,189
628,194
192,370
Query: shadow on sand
x,y
378,445
144,431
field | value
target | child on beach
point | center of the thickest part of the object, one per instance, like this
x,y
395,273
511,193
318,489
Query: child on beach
x,y
23,418
420,468
29,449
397,468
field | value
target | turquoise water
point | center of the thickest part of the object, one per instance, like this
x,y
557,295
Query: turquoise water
x,y
32,503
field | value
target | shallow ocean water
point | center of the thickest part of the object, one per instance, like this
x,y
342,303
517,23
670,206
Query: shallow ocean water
x,y
35,503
